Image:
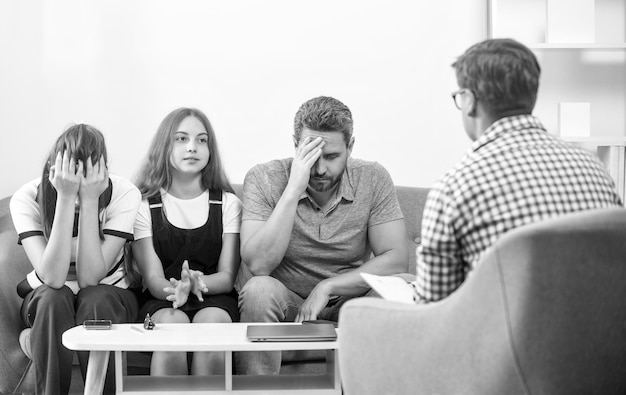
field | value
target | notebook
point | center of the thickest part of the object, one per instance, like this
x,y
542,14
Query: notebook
x,y
292,333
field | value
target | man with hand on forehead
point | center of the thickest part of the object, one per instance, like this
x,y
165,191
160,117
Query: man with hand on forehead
x,y
311,224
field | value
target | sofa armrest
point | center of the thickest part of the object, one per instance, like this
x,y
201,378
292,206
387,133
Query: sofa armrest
x,y
14,266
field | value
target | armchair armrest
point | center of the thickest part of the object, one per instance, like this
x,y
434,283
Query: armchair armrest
x,y
374,333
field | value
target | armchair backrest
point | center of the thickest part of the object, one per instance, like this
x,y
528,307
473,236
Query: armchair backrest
x,y
543,313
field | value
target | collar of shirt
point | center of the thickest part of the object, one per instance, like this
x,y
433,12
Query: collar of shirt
x,y
506,125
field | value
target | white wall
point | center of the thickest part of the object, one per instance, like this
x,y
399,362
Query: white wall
x,y
123,65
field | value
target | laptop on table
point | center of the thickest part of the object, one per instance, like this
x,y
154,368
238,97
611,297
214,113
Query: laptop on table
x,y
291,333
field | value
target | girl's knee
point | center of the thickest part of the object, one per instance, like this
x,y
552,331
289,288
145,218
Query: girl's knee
x,y
213,315
44,291
57,300
170,316
98,302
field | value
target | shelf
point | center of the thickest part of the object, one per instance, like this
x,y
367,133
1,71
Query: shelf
x,y
598,141
185,385
172,384
582,51
559,24
604,47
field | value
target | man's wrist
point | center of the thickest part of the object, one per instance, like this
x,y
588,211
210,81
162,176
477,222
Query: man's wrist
x,y
325,286
291,193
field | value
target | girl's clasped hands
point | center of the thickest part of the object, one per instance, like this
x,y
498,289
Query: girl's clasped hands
x,y
190,282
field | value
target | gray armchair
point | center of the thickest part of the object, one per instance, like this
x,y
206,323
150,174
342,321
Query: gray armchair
x,y
544,313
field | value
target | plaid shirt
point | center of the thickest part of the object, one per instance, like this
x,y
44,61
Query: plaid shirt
x,y
515,174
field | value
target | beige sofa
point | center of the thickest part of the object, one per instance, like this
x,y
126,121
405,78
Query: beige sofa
x,y
16,373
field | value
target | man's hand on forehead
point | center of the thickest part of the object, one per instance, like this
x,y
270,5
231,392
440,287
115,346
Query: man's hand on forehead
x,y
309,139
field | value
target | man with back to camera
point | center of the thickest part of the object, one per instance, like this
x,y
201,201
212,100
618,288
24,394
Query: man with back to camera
x,y
515,173
310,224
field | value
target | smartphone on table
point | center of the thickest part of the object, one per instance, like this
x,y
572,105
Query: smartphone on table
x,y
97,324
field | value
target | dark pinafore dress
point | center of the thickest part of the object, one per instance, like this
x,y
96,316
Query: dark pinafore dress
x,y
201,247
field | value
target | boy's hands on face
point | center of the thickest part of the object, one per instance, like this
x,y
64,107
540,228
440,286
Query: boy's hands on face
x,y
308,152
65,176
94,181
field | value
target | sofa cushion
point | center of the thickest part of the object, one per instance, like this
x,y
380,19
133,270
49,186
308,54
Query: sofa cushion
x,y
412,200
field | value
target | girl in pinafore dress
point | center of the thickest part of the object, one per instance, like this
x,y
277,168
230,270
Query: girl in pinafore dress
x,y
187,236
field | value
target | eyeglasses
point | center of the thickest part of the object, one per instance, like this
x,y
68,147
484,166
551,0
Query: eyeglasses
x,y
456,96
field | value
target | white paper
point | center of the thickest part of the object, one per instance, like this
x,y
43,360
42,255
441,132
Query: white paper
x,y
575,119
391,288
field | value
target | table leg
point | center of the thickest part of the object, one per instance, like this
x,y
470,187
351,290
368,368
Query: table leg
x,y
228,370
96,372
120,370
332,368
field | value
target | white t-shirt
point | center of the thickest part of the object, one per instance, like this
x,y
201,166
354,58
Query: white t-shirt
x,y
117,219
189,213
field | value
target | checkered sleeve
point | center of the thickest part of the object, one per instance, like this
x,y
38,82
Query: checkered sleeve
x,y
440,269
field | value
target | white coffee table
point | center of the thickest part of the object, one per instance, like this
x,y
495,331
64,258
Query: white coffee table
x,y
195,337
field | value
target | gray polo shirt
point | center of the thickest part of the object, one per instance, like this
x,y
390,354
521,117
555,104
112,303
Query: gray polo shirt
x,y
322,244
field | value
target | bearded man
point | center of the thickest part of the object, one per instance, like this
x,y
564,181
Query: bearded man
x,y
311,224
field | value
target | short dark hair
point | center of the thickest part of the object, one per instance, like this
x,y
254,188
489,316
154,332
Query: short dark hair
x,y
503,74
324,114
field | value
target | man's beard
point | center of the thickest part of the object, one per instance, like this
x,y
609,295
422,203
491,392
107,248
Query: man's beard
x,y
323,184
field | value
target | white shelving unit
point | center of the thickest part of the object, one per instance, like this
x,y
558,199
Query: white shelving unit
x,y
612,152
606,47
590,72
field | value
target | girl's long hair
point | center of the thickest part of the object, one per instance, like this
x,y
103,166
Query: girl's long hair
x,y
156,171
82,142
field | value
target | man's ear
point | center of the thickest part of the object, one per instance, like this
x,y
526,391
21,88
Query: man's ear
x,y
472,103
350,145
295,141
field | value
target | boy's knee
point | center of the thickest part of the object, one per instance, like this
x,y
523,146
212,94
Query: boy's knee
x,y
262,299
260,288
